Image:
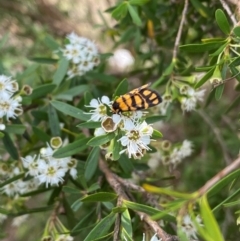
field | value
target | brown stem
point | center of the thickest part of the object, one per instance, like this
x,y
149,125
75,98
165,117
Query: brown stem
x,y
177,41
117,187
219,176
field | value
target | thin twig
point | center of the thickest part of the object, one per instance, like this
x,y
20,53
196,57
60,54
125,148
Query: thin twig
x,y
150,198
217,134
209,184
117,187
229,12
177,41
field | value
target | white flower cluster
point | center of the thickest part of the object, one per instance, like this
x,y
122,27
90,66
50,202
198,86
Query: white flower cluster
x,y
136,133
188,98
191,97
47,169
10,105
171,154
82,54
44,168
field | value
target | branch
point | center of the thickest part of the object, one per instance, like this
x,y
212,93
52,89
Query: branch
x,y
176,44
219,176
117,187
217,134
229,12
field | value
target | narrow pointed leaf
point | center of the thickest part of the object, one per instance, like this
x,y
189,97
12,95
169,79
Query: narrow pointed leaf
x,y
100,140
42,91
222,21
209,220
122,88
61,71
9,146
91,163
134,15
219,91
100,197
70,110
53,121
72,148
101,228
15,129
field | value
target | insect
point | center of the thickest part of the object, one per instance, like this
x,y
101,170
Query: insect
x,y
137,99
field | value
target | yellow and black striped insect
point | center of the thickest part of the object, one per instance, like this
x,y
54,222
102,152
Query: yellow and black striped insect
x,y
137,99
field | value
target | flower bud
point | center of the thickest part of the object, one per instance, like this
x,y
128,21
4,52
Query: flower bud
x,y
216,77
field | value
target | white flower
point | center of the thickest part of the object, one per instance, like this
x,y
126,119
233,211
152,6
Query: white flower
x,y
99,131
10,107
175,157
186,148
19,220
136,139
10,189
51,172
7,86
124,119
188,227
82,54
31,163
189,103
72,164
100,110
163,106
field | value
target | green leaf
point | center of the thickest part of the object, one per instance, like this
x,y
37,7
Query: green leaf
x,y
53,121
76,205
209,220
9,146
206,77
117,148
101,228
235,72
233,195
41,135
51,43
219,91
148,210
233,104
120,11
126,222
235,62
100,140
42,91
203,10
93,187
100,197
61,71
126,164
222,21
156,134
223,182
138,2
91,163
236,31
15,129
134,15
199,48
1,134
82,223
44,60
70,190
90,125
101,77
72,148
121,89
125,235
69,94
155,118
70,110
12,179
